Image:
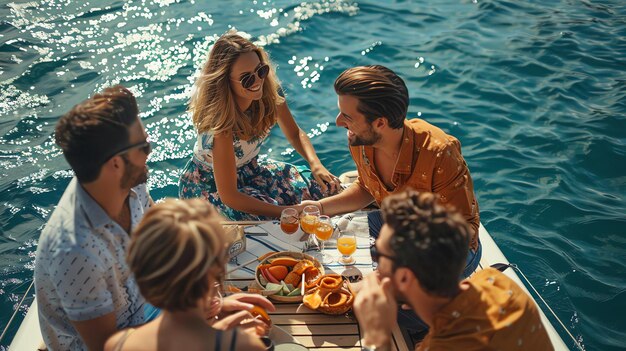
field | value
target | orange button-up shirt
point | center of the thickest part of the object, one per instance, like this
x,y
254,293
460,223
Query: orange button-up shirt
x,y
429,160
494,313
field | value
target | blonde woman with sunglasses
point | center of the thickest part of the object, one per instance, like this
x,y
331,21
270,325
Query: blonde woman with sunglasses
x,y
236,101
178,256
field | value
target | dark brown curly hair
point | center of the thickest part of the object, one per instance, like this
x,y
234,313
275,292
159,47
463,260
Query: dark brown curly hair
x,y
428,238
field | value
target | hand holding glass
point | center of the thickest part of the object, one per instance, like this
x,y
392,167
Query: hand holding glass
x,y
309,219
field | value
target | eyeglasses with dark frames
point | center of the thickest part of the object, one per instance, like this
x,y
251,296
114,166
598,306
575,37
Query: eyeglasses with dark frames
x,y
145,146
376,255
248,78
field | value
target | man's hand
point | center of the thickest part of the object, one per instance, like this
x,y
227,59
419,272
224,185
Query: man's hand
x,y
306,203
376,309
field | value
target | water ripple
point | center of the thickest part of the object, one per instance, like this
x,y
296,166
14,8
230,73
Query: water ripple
x,y
535,91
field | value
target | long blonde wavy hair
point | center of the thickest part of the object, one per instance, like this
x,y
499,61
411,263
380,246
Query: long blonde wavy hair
x,y
213,105
177,252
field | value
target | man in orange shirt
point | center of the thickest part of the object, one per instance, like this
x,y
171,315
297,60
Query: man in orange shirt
x,y
392,153
420,253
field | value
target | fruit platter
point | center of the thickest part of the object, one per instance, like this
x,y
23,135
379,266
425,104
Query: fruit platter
x,y
280,275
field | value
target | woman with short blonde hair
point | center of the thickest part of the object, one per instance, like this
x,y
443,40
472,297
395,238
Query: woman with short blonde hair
x,y
236,101
178,255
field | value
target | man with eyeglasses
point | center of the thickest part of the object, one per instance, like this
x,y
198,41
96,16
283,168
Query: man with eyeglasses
x,y
420,253
84,288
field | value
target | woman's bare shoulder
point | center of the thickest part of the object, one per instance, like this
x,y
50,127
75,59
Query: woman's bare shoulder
x,y
114,340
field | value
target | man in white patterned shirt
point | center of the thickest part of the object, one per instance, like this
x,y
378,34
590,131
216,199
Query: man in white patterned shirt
x,y
85,290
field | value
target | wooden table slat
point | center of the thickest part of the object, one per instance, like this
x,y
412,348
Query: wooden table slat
x,y
292,308
326,329
287,319
329,340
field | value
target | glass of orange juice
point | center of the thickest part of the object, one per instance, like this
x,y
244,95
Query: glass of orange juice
x,y
346,244
289,222
309,219
323,232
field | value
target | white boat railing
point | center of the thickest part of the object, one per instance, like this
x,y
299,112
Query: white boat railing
x,y
518,270
16,311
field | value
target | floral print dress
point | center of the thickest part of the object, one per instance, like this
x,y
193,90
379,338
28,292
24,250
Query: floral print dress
x,y
274,182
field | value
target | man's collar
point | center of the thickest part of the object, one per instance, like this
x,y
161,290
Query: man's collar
x,y
405,157
95,214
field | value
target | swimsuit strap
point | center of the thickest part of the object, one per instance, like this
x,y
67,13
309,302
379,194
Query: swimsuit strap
x,y
218,340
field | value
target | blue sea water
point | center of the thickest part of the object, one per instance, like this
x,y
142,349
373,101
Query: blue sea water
x,y
535,91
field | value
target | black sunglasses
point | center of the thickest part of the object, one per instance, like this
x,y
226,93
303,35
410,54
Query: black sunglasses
x,y
376,255
145,146
248,78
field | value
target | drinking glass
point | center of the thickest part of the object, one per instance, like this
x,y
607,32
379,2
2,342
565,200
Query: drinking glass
x,y
289,222
346,244
323,232
308,223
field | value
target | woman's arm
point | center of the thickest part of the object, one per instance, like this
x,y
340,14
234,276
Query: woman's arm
x,y
302,144
225,171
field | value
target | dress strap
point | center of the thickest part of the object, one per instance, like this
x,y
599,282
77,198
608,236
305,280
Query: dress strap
x,y
120,344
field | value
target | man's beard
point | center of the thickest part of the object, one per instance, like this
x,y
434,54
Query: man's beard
x,y
370,138
133,175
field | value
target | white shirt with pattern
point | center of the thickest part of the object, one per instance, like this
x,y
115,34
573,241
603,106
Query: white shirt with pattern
x,y
80,267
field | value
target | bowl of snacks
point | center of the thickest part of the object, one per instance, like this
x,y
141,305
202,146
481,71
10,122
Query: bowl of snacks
x,y
330,295
280,275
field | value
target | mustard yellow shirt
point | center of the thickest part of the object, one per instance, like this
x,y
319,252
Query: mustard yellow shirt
x,y
429,160
494,313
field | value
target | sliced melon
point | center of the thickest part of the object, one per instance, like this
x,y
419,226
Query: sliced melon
x,y
272,289
285,288
295,292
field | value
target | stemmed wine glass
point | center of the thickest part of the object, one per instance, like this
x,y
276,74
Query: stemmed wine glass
x,y
323,232
289,222
308,223
346,244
